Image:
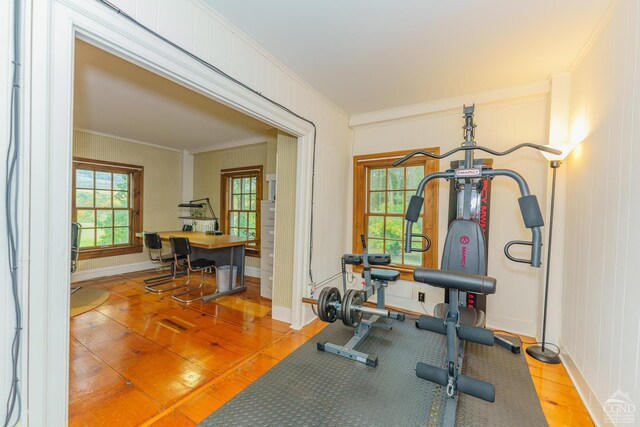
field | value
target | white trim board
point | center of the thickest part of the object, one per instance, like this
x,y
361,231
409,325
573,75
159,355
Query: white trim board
x,y
82,275
282,314
252,271
531,89
229,144
134,141
589,398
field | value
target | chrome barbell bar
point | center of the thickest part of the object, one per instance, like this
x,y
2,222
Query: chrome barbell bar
x,y
360,308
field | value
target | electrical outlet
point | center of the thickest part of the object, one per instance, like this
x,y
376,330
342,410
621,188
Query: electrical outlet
x,y
420,296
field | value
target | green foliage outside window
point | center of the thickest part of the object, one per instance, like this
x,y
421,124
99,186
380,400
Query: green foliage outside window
x,y
243,209
389,191
103,208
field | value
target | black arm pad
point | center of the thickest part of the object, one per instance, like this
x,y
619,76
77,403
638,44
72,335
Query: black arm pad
x,y
352,259
379,259
462,281
415,206
530,211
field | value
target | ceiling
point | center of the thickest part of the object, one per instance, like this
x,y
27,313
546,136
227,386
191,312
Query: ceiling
x,y
115,97
369,55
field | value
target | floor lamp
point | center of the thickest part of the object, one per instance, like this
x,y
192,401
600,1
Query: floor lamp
x,y
540,352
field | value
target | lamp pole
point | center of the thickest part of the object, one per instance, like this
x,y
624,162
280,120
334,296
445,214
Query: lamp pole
x,y
540,352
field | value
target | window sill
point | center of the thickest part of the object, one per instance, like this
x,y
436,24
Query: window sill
x,y
102,253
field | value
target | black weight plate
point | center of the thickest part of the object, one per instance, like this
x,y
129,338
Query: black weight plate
x,y
328,299
352,299
322,304
344,314
357,300
332,302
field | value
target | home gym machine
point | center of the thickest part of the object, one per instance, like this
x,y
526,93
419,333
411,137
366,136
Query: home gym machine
x,y
351,308
464,262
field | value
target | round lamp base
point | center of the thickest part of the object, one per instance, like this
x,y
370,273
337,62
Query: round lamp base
x,y
545,356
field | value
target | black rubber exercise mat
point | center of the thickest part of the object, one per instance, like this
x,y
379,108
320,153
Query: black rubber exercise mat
x,y
313,388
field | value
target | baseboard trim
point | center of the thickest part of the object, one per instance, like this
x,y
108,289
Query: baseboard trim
x,y
96,273
589,398
282,314
252,271
511,325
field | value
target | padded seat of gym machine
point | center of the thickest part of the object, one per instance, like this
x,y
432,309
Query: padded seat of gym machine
x,y
384,275
466,282
468,315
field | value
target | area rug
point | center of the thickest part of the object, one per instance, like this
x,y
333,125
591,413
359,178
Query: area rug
x,y
87,298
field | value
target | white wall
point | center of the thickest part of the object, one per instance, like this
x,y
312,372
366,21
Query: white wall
x,y
7,318
199,29
601,320
500,125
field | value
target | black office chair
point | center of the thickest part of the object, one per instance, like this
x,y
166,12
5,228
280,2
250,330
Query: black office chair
x,y
180,247
154,247
76,231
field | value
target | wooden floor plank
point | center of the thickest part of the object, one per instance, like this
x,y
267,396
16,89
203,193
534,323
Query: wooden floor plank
x,y
128,368
560,401
98,395
174,419
200,406
256,366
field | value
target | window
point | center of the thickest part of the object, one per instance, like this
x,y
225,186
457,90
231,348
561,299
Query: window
x,y
107,203
381,196
242,190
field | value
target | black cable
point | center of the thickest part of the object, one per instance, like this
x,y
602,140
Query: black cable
x,y
250,89
12,186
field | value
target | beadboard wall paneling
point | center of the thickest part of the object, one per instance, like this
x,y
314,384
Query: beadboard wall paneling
x,y
207,167
162,185
226,47
500,125
285,218
600,319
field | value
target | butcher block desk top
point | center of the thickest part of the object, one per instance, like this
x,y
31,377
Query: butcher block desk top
x,y
204,241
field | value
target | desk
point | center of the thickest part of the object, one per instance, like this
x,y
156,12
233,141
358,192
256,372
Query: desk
x,y
223,249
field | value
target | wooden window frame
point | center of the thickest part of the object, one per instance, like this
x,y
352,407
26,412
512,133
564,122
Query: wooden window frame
x,y
136,174
226,176
361,164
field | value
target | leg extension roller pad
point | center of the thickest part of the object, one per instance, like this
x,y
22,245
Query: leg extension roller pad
x,y
431,373
431,323
476,388
479,335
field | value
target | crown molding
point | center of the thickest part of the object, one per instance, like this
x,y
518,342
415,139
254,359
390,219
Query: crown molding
x,y
229,144
594,36
531,89
134,141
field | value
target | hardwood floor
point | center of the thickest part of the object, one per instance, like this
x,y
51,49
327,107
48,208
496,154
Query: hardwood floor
x,y
144,359
558,396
